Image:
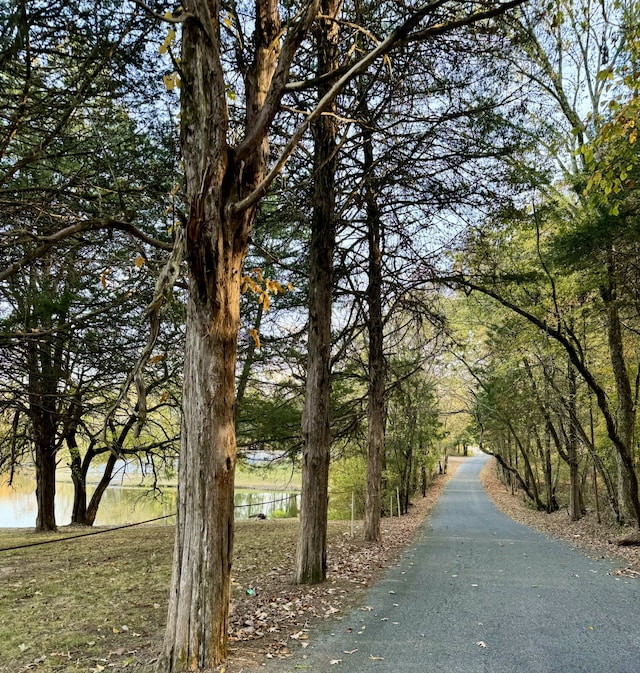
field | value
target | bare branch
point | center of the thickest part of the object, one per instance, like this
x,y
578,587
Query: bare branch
x,y
292,41
166,18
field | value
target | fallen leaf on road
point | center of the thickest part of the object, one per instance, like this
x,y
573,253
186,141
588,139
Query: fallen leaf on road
x,y
375,658
481,643
333,662
351,651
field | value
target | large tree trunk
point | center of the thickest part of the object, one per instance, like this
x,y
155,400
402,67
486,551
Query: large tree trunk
x,y
197,622
376,411
311,561
42,392
45,459
221,192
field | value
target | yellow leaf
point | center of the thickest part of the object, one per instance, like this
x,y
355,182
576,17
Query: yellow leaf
x,y
290,287
140,261
155,359
273,286
171,36
256,338
265,301
633,136
103,278
169,82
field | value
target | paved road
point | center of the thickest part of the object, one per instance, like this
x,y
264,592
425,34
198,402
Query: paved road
x,y
478,592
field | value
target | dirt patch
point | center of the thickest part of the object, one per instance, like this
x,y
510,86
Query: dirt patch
x,y
597,538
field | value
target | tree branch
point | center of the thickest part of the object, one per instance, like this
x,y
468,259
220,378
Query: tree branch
x,y
401,35
48,242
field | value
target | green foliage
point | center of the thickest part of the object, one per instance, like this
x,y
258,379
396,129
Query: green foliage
x,y
269,422
280,514
347,479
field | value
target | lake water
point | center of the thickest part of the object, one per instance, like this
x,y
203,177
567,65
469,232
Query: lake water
x,y
123,503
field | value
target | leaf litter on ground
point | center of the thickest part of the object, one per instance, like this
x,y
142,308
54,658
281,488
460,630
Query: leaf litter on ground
x,y
63,606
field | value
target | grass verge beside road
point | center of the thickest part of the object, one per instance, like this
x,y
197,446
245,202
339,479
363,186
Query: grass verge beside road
x,y
99,603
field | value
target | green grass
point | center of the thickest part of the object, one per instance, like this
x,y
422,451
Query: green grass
x,y
101,600
82,604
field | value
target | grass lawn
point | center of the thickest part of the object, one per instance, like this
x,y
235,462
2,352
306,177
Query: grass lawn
x,y
85,604
99,602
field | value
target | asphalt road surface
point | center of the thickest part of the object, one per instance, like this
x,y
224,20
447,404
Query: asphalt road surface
x,y
479,592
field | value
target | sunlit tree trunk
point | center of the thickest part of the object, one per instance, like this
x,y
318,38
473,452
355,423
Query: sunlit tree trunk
x,y
217,177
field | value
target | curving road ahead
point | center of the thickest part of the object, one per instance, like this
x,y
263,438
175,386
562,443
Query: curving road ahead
x,y
478,592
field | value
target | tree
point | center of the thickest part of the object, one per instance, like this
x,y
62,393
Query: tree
x,y
578,232
70,167
311,560
224,183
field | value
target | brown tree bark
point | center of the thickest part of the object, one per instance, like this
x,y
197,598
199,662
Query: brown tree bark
x,y
96,497
217,178
42,386
311,561
377,368
45,461
626,404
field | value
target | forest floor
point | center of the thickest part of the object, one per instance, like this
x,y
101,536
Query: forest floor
x,y
99,603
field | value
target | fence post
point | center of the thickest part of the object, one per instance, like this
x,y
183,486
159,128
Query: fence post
x,y
353,509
